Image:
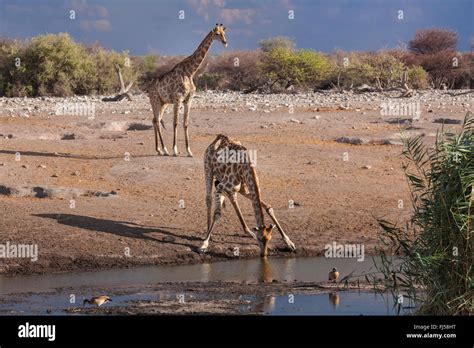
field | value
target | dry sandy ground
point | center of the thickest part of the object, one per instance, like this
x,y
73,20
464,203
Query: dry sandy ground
x,y
143,223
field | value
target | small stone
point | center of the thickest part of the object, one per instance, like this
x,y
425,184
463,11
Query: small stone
x,y
68,136
76,173
55,175
42,166
25,166
294,120
367,167
353,141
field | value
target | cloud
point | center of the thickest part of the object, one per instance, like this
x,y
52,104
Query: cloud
x,y
100,25
287,4
202,7
231,15
84,7
200,32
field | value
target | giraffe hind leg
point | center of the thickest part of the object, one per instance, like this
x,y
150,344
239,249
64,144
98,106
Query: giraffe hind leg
x,y
158,111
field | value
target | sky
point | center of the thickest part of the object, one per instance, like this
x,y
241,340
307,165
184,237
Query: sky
x,y
154,26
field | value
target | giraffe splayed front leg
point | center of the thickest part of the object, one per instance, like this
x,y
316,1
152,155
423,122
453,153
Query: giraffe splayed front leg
x,y
271,213
219,199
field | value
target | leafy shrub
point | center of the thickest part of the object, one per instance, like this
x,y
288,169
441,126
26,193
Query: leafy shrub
x,y
236,70
285,68
435,51
56,65
436,244
417,77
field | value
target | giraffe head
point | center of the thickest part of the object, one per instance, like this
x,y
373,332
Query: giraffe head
x,y
219,34
264,235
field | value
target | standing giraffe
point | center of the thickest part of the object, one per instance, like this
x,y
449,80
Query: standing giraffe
x,y
232,178
177,87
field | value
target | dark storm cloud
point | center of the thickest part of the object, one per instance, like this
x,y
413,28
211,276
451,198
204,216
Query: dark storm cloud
x,y
143,26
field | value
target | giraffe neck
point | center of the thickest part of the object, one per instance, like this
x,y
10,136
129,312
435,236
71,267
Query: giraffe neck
x,y
196,59
254,189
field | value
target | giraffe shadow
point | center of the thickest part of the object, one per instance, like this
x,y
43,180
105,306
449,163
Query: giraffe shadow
x,y
67,155
120,228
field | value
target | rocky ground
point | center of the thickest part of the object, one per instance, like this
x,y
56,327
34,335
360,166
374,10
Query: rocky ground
x,y
81,179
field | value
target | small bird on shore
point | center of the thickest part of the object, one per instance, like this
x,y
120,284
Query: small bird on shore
x,y
334,275
98,301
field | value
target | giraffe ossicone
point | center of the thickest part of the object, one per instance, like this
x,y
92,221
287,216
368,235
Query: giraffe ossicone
x,y
177,87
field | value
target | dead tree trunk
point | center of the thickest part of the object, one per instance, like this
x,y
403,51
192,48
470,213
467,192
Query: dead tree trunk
x,y
407,91
123,93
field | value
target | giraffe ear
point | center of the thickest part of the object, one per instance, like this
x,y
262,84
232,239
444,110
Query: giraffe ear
x,y
271,226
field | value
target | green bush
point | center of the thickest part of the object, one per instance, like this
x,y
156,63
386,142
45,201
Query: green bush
x,y
11,76
56,65
284,67
382,69
436,245
208,81
418,77
105,80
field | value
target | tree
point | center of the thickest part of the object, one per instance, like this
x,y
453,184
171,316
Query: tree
x,y
283,42
435,50
285,68
430,41
56,65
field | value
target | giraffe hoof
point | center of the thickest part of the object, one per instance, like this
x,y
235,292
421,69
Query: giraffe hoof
x,y
202,250
165,152
291,245
190,154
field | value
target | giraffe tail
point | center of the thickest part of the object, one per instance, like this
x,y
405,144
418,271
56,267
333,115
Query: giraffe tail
x,y
162,124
